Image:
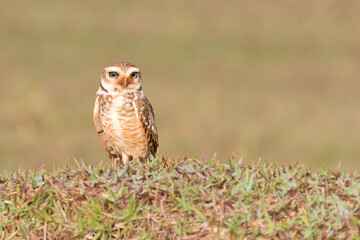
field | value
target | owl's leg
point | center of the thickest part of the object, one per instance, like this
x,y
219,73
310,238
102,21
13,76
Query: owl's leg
x,y
114,156
125,158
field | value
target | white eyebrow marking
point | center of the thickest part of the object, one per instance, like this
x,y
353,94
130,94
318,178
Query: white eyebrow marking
x,y
131,69
113,69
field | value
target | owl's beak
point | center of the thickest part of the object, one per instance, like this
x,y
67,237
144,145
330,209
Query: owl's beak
x,y
123,82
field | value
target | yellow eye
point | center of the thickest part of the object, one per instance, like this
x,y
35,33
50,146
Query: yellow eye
x,y
134,74
113,74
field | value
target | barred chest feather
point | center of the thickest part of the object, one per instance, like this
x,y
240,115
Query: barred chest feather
x,y
121,124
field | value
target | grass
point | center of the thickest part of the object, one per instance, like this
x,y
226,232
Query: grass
x,y
179,199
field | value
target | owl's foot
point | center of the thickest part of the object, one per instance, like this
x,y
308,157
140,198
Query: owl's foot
x,y
125,158
115,159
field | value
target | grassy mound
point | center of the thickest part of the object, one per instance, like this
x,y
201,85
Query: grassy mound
x,y
179,199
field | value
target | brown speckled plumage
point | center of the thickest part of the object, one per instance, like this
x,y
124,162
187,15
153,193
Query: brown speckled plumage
x,y
123,117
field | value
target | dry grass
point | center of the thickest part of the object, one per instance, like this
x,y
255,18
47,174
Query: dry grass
x,y
179,199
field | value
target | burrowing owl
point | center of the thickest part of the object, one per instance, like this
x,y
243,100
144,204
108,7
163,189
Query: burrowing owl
x,y
123,117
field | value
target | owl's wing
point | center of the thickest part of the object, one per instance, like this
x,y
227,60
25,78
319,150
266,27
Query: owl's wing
x,y
145,115
110,151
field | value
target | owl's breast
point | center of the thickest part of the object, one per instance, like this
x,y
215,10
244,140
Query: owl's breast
x,y
122,126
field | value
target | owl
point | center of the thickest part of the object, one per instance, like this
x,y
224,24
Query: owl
x,y
123,117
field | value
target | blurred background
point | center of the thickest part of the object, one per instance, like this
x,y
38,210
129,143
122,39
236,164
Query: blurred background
x,y
276,80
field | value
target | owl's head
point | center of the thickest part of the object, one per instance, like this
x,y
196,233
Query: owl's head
x,y
121,77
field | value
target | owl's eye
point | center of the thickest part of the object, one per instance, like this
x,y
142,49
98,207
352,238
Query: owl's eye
x,y
134,74
113,74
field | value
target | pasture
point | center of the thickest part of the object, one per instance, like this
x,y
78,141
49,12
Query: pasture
x,y
179,199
